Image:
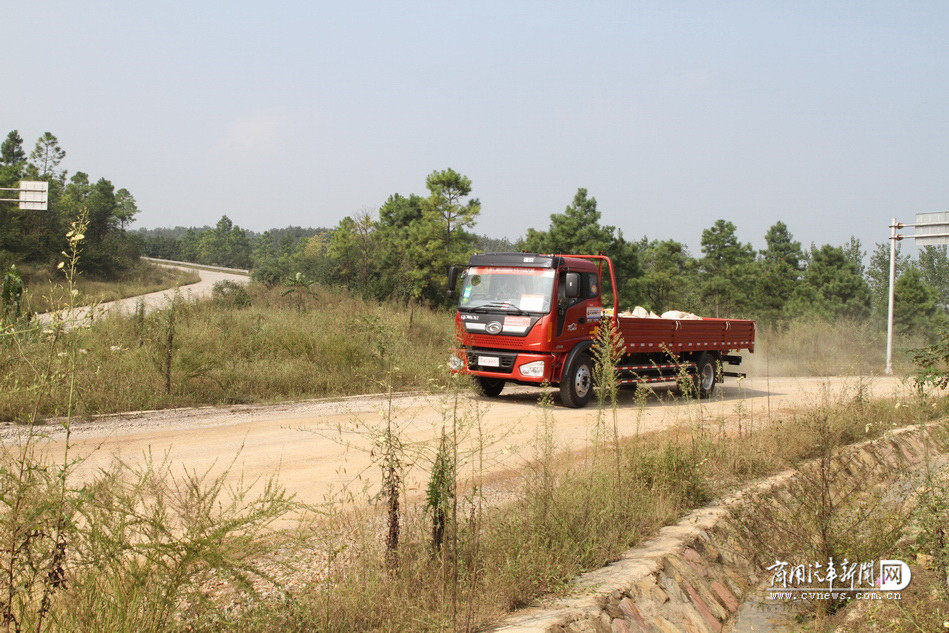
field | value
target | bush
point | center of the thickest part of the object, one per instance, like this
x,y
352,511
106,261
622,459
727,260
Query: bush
x,y
932,363
230,294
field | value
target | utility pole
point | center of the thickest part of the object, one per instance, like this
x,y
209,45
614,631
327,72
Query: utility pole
x,y
931,229
894,238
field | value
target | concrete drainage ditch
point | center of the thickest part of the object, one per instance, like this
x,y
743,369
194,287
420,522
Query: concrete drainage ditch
x,y
694,576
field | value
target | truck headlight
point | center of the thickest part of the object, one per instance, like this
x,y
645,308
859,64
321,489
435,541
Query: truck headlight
x,y
532,370
455,363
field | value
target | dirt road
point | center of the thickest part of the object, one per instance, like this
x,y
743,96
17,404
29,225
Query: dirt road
x,y
318,449
152,300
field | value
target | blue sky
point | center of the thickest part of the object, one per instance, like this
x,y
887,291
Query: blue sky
x,y
830,116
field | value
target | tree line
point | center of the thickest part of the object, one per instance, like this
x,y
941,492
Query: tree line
x,y
38,237
402,252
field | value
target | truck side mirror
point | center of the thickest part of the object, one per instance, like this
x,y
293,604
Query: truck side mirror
x,y
453,273
571,285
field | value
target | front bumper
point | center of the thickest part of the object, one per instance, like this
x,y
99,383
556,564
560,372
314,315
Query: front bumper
x,y
509,364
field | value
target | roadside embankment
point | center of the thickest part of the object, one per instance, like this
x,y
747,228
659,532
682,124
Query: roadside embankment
x,y
693,576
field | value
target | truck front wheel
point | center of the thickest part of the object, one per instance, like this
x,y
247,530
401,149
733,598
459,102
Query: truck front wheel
x,y
576,384
490,387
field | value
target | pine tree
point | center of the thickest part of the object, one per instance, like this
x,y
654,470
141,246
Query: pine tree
x,y
934,266
668,272
726,274
47,155
878,277
11,151
779,270
578,231
831,287
915,307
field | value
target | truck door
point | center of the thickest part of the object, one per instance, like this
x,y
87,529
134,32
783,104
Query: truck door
x,y
577,317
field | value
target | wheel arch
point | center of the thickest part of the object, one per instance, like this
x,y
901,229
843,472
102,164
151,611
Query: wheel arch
x,y
583,347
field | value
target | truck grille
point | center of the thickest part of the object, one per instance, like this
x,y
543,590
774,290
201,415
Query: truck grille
x,y
507,341
506,361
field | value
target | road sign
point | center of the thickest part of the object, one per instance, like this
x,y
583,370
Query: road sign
x,y
934,224
33,195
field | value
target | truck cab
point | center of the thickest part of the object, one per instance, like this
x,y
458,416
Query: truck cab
x,y
522,317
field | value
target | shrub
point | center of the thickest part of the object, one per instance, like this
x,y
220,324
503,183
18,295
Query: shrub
x,y
230,294
932,363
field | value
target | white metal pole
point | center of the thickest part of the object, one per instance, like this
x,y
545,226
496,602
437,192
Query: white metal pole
x,y
889,316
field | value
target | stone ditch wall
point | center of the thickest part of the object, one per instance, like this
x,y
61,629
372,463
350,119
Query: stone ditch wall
x,y
692,577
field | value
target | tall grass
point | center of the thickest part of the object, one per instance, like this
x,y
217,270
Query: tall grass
x,y
809,347
127,549
211,353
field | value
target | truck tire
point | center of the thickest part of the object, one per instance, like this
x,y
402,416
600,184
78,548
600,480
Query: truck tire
x,y
490,387
705,375
576,383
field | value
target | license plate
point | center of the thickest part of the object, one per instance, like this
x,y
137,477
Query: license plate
x,y
489,361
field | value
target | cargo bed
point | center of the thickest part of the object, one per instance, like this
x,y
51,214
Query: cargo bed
x,y
686,335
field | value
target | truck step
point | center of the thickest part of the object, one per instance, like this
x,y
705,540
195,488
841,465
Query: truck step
x,y
625,381
655,367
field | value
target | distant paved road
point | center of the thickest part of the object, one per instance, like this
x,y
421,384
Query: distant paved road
x,y
210,275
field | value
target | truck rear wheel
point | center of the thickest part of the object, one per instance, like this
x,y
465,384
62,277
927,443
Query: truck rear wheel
x,y
490,387
576,384
705,377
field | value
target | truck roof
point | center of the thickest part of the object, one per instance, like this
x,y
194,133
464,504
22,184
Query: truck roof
x,y
530,260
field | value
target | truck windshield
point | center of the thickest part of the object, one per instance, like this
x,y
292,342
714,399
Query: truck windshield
x,y
506,289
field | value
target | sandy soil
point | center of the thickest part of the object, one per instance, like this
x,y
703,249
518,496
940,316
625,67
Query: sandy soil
x,y
319,448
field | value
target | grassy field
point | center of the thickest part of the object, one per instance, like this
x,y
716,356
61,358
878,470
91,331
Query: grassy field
x,y
806,347
265,347
45,291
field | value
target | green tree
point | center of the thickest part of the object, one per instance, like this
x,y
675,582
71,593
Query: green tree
x,y
853,249
11,150
726,274
578,231
351,250
878,277
668,276
575,231
396,216
225,245
47,155
439,237
125,207
779,270
831,287
915,308
447,189
934,266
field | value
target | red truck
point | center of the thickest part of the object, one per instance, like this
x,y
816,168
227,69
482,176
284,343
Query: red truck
x,y
530,318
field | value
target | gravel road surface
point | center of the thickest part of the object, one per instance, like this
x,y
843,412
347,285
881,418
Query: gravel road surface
x,y
319,448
